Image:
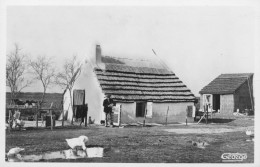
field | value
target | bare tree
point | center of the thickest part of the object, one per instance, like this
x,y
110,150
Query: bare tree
x,y
15,71
43,71
69,74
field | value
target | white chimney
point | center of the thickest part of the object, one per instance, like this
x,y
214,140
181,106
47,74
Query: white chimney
x,y
98,58
98,54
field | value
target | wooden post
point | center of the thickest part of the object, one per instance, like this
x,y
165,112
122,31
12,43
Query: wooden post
x,y
86,118
37,117
187,110
62,124
144,117
207,114
89,120
166,116
10,124
72,114
211,115
42,119
251,98
186,118
120,116
51,119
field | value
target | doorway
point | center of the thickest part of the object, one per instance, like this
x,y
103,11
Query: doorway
x,y
140,109
216,102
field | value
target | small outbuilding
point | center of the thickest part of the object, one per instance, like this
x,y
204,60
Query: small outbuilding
x,y
50,98
229,93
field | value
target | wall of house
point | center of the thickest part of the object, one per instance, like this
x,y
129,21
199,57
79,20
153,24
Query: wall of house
x,y
66,106
128,112
176,113
242,98
93,94
201,102
226,104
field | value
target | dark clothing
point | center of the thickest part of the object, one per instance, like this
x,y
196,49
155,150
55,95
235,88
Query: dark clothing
x,y
107,103
110,116
80,111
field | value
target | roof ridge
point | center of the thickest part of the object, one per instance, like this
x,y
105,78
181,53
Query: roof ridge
x,y
135,66
127,58
235,75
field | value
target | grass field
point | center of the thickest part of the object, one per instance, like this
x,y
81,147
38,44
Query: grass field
x,y
168,144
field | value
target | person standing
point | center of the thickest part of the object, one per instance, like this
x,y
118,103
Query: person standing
x,y
108,104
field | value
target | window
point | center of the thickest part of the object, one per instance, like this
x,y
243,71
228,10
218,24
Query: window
x,y
140,109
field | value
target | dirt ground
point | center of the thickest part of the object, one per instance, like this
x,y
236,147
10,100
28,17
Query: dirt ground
x,y
137,144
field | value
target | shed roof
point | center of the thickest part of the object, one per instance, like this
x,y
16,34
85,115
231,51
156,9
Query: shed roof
x,y
131,83
226,83
56,98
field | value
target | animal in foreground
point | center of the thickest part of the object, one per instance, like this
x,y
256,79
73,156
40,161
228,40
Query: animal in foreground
x,y
199,144
78,142
249,132
19,123
14,151
6,126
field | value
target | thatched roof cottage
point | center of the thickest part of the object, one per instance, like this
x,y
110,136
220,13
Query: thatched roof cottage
x,y
142,88
229,93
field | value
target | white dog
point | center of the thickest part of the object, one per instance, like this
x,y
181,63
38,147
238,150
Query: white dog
x,y
75,143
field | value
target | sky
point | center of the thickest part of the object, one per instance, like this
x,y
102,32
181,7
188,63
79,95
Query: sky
x,y
197,43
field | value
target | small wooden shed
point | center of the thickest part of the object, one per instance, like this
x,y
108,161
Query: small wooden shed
x,y
229,93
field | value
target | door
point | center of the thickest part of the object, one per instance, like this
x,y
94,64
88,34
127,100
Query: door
x,y
216,102
78,97
78,102
117,114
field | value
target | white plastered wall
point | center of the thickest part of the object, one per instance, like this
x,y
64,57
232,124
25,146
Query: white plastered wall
x,y
93,94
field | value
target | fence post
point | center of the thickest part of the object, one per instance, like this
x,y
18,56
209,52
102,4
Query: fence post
x,y
10,124
166,115
37,118
51,119
187,110
62,118
145,117
207,114
86,118
72,114
89,120
120,116
42,119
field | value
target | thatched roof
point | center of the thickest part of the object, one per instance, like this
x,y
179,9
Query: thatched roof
x,y
226,83
56,98
128,83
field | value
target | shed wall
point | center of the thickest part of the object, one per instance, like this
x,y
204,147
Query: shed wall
x,y
227,104
242,98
